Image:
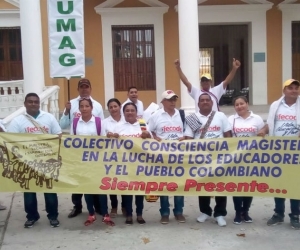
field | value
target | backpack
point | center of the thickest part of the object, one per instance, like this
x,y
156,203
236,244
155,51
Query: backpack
x,y
97,120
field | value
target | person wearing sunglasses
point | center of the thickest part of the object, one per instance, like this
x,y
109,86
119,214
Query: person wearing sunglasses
x,y
243,124
71,111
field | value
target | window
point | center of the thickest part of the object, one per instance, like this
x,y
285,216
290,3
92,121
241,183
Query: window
x,y
133,57
206,61
10,54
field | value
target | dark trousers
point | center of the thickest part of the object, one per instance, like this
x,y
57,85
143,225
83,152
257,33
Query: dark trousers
x,y
220,208
280,206
114,201
30,204
92,199
139,202
242,204
76,200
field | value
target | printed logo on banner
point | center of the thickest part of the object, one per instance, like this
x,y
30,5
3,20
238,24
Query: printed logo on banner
x,y
31,162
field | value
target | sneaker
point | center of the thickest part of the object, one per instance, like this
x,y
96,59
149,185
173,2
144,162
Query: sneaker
x,y
221,221
180,218
237,219
202,217
90,220
107,220
29,223
164,219
246,217
2,207
276,219
129,221
295,222
54,223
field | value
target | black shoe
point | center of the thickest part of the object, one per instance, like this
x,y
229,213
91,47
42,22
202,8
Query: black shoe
x,y
238,218
295,221
74,213
276,219
141,221
30,223
129,221
246,217
54,223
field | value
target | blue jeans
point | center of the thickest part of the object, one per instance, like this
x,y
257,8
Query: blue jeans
x,y
280,206
92,199
165,205
30,204
127,203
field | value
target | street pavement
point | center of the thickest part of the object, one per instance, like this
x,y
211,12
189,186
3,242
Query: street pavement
x,y
72,234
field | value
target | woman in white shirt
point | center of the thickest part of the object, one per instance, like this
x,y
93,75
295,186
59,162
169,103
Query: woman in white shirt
x,y
90,125
131,127
109,125
244,124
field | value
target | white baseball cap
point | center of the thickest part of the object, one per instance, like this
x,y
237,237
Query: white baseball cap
x,y
168,94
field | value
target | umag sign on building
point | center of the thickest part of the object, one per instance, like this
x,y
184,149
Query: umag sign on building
x,y
66,38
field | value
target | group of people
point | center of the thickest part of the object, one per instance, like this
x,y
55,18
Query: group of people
x,y
84,116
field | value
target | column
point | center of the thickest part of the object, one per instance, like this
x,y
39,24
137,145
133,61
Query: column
x,y
188,48
32,46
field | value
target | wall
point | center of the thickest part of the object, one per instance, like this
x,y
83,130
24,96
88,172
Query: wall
x,y
274,52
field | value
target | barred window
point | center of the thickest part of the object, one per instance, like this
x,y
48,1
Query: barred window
x,y
133,57
10,54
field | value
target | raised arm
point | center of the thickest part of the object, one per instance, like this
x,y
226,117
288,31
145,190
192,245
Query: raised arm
x,y
235,65
182,76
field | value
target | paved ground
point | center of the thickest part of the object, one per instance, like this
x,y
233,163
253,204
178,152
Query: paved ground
x,y
72,234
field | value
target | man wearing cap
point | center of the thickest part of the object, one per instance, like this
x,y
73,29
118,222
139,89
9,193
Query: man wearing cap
x,y
206,82
71,111
133,97
167,124
284,120
209,124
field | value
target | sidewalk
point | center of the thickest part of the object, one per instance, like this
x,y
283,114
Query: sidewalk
x,y
72,234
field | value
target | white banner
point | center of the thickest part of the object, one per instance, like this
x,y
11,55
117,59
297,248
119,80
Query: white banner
x,y
66,38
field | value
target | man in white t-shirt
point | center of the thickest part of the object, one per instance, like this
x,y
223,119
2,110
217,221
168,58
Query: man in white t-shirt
x,y
219,127
71,111
283,120
133,97
166,124
215,92
36,121
72,107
